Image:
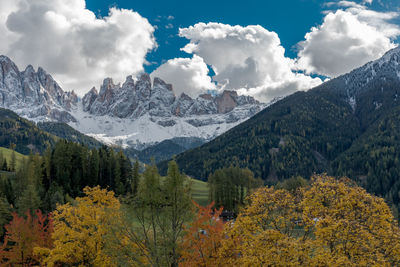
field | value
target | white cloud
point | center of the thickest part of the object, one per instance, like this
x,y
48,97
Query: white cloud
x,y
67,40
347,39
269,91
188,75
248,59
7,37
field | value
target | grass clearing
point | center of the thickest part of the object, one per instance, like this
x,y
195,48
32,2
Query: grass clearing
x,y
7,155
200,192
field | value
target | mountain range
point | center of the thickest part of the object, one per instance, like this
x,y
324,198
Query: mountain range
x,y
137,114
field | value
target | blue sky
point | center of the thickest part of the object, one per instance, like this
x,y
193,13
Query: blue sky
x,y
291,19
265,49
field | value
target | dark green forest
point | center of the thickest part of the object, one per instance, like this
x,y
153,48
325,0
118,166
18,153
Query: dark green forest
x,y
68,133
27,137
62,172
30,137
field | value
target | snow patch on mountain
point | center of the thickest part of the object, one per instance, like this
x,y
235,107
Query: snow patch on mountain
x,y
148,130
137,113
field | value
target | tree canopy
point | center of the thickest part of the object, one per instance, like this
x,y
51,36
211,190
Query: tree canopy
x,y
331,223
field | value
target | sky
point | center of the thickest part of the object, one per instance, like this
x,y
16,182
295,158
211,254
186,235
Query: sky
x,y
266,49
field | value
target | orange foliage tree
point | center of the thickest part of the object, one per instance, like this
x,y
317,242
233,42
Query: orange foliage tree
x,y
203,238
22,235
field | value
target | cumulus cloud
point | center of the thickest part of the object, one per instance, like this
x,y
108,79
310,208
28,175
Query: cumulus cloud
x,y
188,75
347,39
7,37
248,59
270,91
75,46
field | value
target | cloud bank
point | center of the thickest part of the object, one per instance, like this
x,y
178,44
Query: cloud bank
x,y
252,60
347,39
248,59
70,42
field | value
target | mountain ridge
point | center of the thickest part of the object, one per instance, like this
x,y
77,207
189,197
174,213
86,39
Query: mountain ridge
x,y
344,107
139,113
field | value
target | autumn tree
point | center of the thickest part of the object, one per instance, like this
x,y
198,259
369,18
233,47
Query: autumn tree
x,y
22,235
351,227
203,238
79,230
331,223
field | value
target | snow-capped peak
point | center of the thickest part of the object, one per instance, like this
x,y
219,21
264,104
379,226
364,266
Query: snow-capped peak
x,y
137,113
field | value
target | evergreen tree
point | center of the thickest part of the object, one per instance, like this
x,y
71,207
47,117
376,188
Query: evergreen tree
x,y
126,171
6,189
13,162
29,200
118,187
2,162
5,213
4,165
93,172
54,196
135,178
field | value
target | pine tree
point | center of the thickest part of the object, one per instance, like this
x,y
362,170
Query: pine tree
x,y
4,165
2,162
117,178
5,213
6,189
93,173
29,200
135,178
13,162
54,196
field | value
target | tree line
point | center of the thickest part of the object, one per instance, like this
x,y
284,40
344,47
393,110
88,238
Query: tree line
x,y
42,182
328,222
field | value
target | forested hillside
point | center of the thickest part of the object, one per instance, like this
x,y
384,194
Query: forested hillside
x,y
35,138
23,133
66,132
347,126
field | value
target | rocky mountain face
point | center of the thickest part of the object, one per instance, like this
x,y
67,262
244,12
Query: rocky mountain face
x,y
366,78
138,113
34,94
141,112
134,99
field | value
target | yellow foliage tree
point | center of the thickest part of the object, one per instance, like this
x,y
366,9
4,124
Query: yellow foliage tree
x,y
331,223
80,230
